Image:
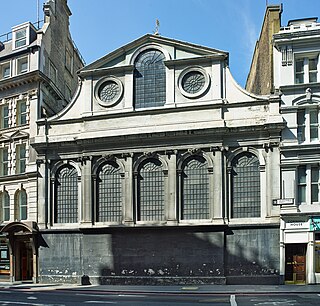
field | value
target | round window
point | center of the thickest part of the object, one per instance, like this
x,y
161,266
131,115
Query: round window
x,y
193,82
109,91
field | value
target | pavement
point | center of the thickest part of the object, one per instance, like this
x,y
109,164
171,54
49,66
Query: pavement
x,y
187,289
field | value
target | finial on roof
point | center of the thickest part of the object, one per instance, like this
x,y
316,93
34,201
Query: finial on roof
x,y
156,31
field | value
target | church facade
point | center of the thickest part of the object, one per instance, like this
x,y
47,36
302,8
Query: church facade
x,y
161,169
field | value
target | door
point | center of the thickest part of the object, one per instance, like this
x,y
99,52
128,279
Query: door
x,y
295,264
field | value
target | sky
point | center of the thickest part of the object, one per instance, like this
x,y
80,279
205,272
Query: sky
x,y
101,26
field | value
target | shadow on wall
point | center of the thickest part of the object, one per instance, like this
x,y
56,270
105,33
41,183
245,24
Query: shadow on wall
x,y
191,256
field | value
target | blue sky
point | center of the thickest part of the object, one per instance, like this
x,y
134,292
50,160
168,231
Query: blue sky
x,y
101,26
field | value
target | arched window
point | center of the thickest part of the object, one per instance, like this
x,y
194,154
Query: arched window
x,y
149,79
245,186
66,195
109,193
21,205
5,206
150,191
195,189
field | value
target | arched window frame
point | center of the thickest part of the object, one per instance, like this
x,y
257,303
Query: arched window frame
x,y
182,162
99,164
232,158
55,171
5,206
21,205
141,162
133,61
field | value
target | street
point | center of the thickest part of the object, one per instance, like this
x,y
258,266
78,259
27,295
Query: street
x,y
67,297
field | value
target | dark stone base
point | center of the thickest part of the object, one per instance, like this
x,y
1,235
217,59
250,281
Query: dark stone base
x,y
136,280
253,280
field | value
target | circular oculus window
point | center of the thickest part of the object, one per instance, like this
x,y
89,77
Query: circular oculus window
x,y
109,91
193,82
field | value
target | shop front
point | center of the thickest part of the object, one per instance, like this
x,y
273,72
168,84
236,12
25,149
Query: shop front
x,y
300,249
19,252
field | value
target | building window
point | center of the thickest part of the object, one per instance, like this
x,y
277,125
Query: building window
x,y
4,113
22,65
5,206
69,61
5,71
149,79
109,194
53,72
66,195
4,161
21,205
308,184
20,38
245,182
306,70
308,124
195,189
21,158
150,191
21,112
68,93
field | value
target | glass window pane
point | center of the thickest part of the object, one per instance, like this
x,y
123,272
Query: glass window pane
x,y
66,196
109,194
246,186
151,191
314,193
301,194
302,175
150,79
195,189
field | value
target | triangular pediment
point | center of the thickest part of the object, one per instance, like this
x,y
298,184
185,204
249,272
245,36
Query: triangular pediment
x,y
183,50
19,134
4,138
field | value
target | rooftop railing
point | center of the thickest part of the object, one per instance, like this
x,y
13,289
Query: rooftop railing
x,y
300,27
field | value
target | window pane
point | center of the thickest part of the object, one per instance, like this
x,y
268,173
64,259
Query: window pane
x,y
246,186
151,191
150,79
109,194
22,113
66,196
4,161
302,179
20,158
301,118
21,38
195,189
299,71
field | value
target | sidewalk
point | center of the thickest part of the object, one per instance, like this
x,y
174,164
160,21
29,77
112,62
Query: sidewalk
x,y
197,289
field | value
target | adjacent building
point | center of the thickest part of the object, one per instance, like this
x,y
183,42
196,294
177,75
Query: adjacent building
x,y
290,61
37,79
160,170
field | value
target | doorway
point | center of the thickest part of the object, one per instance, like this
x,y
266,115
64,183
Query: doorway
x,y
295,270
24,261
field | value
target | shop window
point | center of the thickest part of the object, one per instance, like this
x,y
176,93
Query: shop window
x,y
308,124
317,256
66,195
4,116
245,182
150,191
149,79
306,70
4,161
22,65
21,158
109,194
21,112
195,189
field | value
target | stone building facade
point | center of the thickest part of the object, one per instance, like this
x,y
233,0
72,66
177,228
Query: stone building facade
x,y
37,79
294,62
161,169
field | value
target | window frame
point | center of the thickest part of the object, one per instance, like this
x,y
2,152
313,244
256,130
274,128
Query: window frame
x,y
309,184
257,191
76,196
4,115
304,75
21,160
21,117
3,66
4,164
20,62
5,206
306,127
21,207
23,38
